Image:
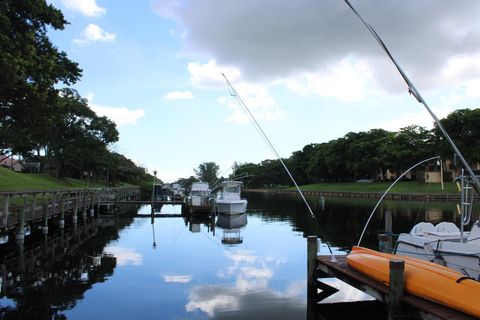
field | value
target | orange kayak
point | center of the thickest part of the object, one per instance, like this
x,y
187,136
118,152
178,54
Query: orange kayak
x,y
423,279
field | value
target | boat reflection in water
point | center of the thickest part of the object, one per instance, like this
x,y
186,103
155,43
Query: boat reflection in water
x,y
232,225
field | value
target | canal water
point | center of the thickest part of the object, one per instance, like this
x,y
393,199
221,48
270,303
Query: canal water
x,y
246,267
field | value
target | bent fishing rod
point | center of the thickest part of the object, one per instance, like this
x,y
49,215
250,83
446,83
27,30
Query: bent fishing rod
x,y
260,131
413,91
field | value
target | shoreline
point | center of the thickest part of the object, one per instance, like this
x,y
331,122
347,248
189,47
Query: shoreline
x,y
367,195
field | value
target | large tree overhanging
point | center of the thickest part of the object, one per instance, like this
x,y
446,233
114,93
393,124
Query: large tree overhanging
x,y
31,66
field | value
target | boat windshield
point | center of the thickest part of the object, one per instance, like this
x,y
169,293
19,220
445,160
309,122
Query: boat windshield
x,y
232,189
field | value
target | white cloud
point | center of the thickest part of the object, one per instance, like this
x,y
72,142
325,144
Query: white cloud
x,y
86,7
119,115
94,33
346,81
178,279
209,75
256,96
178,95
125,256
274,40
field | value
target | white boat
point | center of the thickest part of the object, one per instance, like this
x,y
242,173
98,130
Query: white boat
x,y
199,199
446,243
228,200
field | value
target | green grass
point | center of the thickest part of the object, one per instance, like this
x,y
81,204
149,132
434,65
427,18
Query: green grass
x,y
13,181
400,187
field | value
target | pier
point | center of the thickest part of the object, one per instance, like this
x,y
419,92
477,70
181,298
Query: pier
x,y
24,208
396,303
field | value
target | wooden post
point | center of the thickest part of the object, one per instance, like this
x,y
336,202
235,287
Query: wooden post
x,y
84,212
62,213
34,206
6,199
396,288
20,236
312,249
388,230
75,210
45,215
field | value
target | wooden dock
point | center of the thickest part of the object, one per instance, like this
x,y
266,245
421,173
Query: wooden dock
x,y
412,307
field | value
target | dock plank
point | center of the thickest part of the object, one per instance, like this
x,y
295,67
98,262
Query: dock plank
x,y
422,308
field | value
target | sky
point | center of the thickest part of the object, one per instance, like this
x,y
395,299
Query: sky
x,y
308,70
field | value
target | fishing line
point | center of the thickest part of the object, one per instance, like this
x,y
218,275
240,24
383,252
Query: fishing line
x,y
260,131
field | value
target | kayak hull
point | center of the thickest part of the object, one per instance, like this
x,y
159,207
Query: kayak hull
x,y
423,279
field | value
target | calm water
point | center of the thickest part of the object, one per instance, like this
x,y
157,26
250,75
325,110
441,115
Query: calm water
x,y
249,267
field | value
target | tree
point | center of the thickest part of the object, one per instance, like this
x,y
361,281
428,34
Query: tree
x,y
78,138
208,172
31,66
186,183
463,127
408,146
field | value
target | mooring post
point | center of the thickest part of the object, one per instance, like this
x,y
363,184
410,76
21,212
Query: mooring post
x,y
20,236
6,200
61,223
312,249
396,288
45,215
34,206
20,258
84,212
75,210
388,230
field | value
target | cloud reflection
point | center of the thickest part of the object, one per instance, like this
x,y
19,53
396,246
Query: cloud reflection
x,y
178,279
249,295
125,256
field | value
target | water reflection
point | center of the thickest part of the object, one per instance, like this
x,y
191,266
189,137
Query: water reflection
x,y
51,273
249,292
254,267
341,221
232,225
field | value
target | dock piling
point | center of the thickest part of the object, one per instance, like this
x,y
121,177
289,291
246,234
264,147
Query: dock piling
x,y
312,249
396,288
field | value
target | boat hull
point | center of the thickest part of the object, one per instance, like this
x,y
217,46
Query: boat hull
x,y
461,256
424,279
232,207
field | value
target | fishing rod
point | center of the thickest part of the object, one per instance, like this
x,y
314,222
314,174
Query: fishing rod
x,y
385,193
413,91
272,148
267,141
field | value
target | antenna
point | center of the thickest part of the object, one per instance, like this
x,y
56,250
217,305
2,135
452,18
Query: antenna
x,y
413,91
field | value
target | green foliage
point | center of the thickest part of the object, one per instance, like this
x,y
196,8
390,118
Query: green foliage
x,y
30,67
363,155
186,183
38,119
208,172
463,127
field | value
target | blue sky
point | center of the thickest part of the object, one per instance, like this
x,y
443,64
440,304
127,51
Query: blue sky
x,y
307,69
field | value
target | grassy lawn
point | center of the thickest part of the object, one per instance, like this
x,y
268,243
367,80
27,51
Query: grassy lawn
x,y
13,181
400,187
